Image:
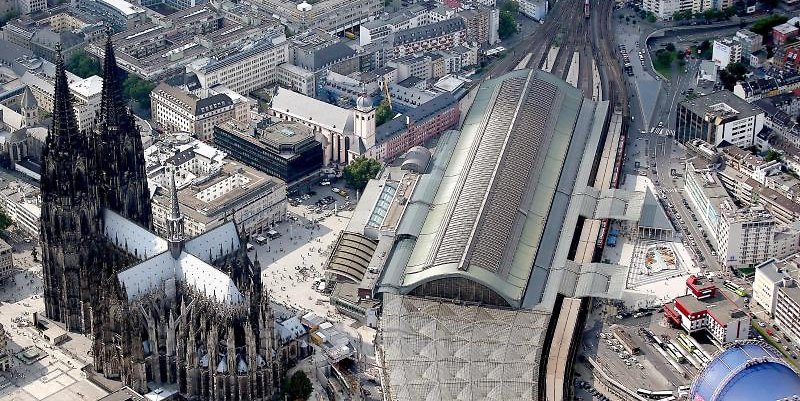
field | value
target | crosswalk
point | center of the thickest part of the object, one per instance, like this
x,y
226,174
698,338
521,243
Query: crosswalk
x,y
664,131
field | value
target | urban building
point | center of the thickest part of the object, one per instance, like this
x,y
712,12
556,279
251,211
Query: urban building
x,y
64,25
164,47
535,9
726,51
776,290
718,117
332,16
287,150
249,68
756,88
297,79
6,270
783,33
21,201
706,308
31,6
749,192
751,42
741,236
748,370
87,94
440,35
119,14
482,25
107,276
177,109
415,127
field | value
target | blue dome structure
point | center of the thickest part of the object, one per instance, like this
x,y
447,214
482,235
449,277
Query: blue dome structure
x,y
746,371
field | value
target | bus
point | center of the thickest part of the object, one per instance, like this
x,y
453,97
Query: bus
x,y
735,288
684,342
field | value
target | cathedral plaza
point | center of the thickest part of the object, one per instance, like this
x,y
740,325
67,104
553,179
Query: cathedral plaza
x,y
57,374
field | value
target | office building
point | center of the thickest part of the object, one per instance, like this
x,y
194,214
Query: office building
x,y
708,308
249,68
176,109
718,117
332,16
481,24
742,236
211,190
297,79
119,14
86,92
21,201
287,150
6,267
535,9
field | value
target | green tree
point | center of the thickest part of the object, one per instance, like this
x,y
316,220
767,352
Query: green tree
x,y
298,387
651,18
138,90
5,221
8,17
360,171
508,24
772,155
510,6
83,65
763,26
670,47
383,113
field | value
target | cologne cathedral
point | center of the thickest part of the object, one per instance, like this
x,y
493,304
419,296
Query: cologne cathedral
x,y
172,313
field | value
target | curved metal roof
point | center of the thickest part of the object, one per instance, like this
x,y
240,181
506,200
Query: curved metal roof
x,y
350,258
491,224
745,372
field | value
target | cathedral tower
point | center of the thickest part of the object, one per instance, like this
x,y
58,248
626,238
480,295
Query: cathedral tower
x,y
70,218
175,234
118,150
364,126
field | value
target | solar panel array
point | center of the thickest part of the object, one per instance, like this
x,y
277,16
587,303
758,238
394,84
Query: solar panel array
x,y
513,176
476,179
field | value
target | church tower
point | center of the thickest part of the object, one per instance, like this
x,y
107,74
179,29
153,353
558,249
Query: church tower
x,y
118,150
29,108
175,234
364,126
70,218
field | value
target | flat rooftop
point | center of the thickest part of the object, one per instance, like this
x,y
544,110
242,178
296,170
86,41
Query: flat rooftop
x,y
723,104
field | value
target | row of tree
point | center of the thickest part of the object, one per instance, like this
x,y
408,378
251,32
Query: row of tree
x,y
134,88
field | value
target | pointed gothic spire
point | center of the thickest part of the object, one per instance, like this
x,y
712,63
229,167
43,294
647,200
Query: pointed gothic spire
x,y
112,102
173,196
64,135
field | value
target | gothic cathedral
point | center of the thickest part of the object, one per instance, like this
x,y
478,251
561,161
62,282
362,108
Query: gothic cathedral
x,y
189,314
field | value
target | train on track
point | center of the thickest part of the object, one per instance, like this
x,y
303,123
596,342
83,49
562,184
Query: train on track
x,y
586,8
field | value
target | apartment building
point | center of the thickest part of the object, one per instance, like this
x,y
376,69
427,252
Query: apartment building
x,y
481,25
775,289
177,109
782,82
6,265
535,9
21,201
440,35
717,117
252,67
783,33
726,51
741,236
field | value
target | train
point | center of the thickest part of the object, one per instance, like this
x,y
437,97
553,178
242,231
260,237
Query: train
x,y
586,8
735,288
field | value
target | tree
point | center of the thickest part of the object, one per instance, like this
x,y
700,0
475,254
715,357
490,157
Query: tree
x,y
772,155
670,47
763,26
298,387
360,171
383,113
8,17
138,90
5,221
508,25
84,65
651,18
510,6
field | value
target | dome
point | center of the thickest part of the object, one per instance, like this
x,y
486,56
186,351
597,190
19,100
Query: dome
x,y
304,6
363,103
744,372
